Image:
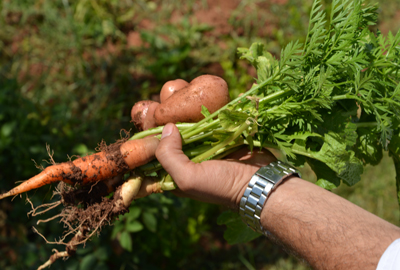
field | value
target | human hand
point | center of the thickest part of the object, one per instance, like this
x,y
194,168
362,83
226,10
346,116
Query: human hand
x,y
213,181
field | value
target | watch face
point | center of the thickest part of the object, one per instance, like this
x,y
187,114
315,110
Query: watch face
x,y
270,173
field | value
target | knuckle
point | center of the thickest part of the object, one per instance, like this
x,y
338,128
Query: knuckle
x,y
161,151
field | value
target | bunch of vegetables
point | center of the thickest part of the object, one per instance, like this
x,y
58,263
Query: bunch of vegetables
x,y
333,102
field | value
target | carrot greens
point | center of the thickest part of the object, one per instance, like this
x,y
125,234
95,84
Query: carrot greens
x,y
333,102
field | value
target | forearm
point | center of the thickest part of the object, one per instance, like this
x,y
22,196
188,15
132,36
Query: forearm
x,y
326,230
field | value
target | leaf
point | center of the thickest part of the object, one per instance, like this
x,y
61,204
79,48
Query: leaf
x,y
205,112
134,226
394,150
368,147
118,226
101,253
333,154
134,213
80,149
237,231
150,221
260,58
326,184
125,241
250,141
302,135
396,161
327,177
88,262
101,266
7,128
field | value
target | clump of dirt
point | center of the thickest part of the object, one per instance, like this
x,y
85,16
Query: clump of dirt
x,y
113,153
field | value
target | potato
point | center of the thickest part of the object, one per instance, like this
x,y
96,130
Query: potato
x,y
171,87
139,112
185,104
149,121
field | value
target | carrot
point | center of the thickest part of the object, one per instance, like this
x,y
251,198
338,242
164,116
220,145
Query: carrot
x,y
97,167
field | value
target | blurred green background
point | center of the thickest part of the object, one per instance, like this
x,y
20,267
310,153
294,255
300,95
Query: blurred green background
x,y
70,72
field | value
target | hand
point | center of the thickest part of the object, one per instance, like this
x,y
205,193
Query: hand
x,y
213,181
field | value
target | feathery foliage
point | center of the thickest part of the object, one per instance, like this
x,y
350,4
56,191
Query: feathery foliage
x,y
333,102
337,98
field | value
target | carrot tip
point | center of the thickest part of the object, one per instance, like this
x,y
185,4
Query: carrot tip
x,y
5,195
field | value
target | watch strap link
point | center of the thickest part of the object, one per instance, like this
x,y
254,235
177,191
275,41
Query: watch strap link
x,y
258,189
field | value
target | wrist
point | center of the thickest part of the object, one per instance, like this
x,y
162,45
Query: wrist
x,y
282,199
262,184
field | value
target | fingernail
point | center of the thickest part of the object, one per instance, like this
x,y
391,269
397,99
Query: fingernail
x,y
167,130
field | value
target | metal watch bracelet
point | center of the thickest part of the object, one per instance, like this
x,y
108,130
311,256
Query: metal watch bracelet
x,y
260,186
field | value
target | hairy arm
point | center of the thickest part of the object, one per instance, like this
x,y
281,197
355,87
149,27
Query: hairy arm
x,y
324,229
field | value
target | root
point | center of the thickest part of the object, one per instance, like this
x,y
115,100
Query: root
x,y
49,219
51,154
48,207
86,210
45,239
57,255
126,136
40,167
70,249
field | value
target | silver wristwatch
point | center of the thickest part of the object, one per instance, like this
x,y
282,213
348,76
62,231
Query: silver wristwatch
x,y
260,186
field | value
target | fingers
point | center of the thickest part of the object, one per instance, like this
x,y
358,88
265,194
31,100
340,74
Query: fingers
x,y
259,157
169,153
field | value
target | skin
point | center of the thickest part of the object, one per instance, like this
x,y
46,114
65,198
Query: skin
x,y
149,120
185,104
324,229
140,114
171,87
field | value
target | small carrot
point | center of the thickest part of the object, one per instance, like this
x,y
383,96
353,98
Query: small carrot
x,y
97,167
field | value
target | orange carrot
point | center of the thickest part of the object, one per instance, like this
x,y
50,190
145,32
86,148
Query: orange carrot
x,y
97,167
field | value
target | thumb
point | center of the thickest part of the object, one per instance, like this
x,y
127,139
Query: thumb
x,y
169,152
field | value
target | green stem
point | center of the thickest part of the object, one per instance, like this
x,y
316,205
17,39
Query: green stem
x,y
198,138
222,144
203,128
228,150
366,124
265,144
152,166
341,97
158,130
276,95
197,150
303,153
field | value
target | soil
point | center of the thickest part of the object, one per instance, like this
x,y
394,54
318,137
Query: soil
x,y
85,212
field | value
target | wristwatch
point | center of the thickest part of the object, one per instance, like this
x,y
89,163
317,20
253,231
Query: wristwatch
x,y
265,180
